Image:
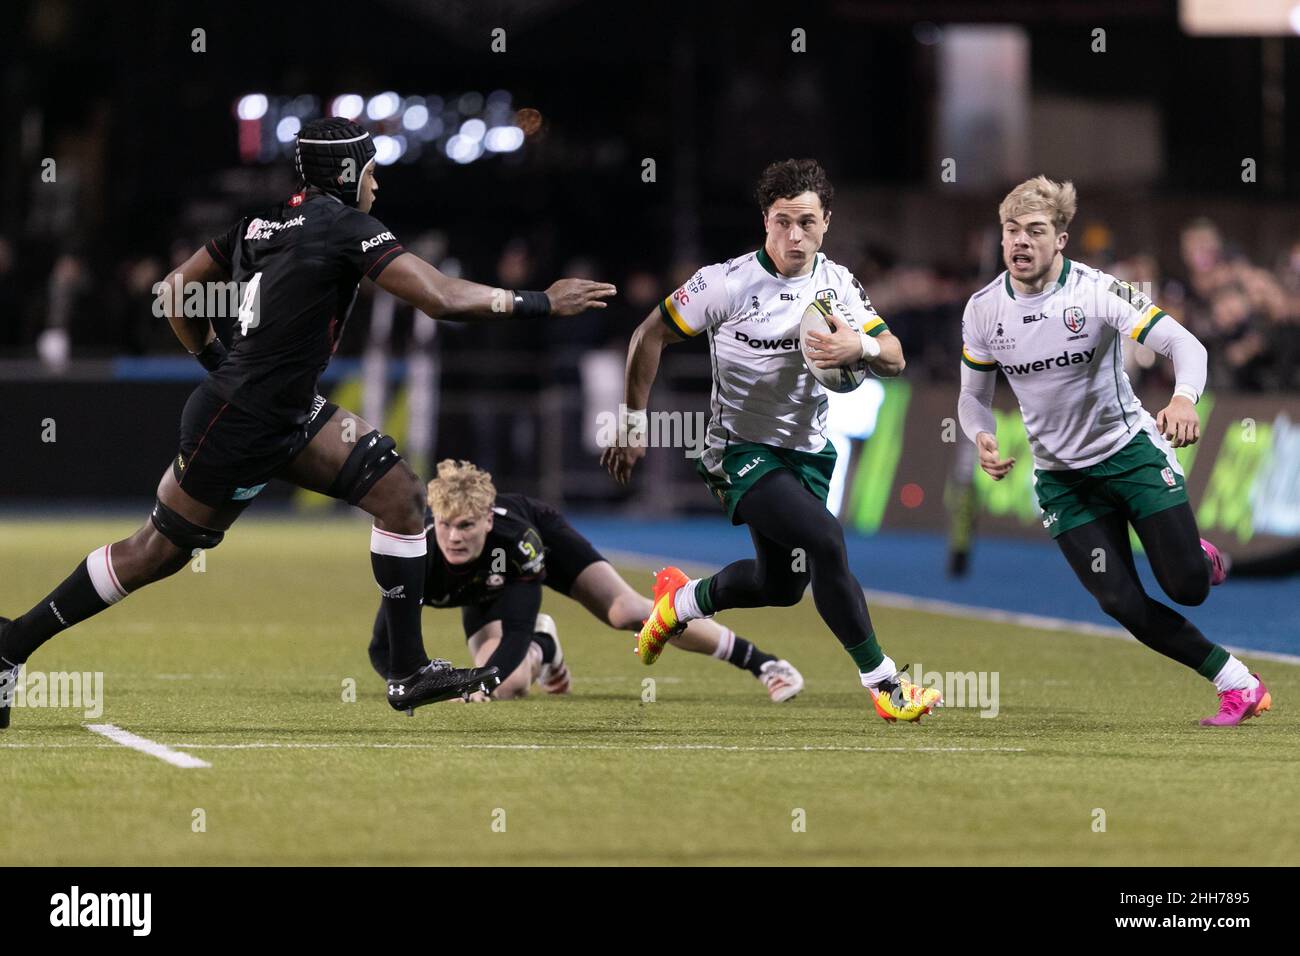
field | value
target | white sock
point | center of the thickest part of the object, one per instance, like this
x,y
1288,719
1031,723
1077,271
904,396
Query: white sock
x,y
726,643
883,672
684,603
1234,675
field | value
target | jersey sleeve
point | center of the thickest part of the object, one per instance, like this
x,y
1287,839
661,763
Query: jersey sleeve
x,y
1129,309
367,245
700,303
528,556
222,248
975,352
854,297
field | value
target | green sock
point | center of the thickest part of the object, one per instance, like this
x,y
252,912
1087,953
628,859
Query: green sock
x,y
1213,663
702,596
867,655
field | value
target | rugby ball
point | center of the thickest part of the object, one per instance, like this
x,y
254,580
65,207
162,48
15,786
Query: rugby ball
x,y
815,320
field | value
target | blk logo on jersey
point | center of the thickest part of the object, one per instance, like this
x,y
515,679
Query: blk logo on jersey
x,y
1074,319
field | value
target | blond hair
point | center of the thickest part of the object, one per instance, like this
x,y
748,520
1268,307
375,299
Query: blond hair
x,y
461,489
1041,194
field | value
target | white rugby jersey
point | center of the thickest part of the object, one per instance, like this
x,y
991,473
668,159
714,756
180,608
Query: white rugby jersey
x,y
1061,352
762,390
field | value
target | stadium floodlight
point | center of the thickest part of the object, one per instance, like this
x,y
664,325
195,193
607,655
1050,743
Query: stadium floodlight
x,y
348,105
463,150
473,129
415,117
287,129
503,139
383,105
252,107
389,149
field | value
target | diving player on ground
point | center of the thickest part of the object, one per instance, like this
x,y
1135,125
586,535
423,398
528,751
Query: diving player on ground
x,y
490,554
767,457
257,415
1054,327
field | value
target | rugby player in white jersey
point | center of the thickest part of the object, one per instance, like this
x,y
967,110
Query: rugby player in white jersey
x,y
767,458
1055,327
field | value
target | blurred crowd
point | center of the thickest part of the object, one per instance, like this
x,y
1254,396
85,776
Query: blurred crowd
x,y
75,304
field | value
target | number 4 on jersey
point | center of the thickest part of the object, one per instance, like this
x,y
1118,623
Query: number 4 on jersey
x,y
248,311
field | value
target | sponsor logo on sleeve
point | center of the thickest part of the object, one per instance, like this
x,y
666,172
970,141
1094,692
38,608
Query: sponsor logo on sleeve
x,y
378,240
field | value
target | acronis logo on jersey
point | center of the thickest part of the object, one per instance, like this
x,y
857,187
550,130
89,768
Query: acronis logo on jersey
x,y
378,240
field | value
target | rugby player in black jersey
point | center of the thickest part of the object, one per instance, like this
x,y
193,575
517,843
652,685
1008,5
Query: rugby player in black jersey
x,y
490,554
257,415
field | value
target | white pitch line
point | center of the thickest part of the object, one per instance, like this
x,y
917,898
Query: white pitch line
x,y
145,746
908,602
731,748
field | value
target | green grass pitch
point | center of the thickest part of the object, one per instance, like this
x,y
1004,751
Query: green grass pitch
x,y
244,664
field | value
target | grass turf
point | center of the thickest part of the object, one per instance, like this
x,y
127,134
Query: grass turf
x,y
255,650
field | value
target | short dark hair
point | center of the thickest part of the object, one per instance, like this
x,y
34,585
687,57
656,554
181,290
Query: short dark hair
x,y
792,177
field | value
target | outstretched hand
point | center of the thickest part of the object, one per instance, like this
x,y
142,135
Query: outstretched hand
x,y
571,296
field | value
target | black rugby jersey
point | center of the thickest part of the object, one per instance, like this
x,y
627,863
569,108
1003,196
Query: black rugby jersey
x,y
301,262
512,553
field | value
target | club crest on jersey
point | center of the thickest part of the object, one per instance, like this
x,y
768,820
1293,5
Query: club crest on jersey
x,y
1074,319
1168,475
826,295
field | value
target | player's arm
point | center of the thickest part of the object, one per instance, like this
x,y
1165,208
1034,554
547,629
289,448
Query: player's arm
x,y
516,607
437,295
889,362
979,379
649,340
1178,420
700,302
841,346
1136,316
194,332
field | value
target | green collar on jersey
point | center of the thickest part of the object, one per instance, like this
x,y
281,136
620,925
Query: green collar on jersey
x,y
766,262
1065,271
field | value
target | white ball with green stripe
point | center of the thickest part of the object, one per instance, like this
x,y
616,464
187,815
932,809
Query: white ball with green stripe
x,y
816,319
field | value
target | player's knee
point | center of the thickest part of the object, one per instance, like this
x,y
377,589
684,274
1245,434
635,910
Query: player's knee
x,y
1189,591
169,541
375,465
787,592
628,611
824,540
1123,604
